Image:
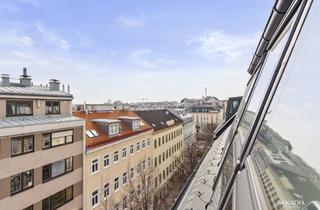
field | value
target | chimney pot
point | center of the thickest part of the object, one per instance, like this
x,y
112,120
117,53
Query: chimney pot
x,y
5,80
25,79
54,85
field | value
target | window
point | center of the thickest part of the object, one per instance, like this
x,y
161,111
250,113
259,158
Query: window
x,y
135,124
159,159
95,198
125,202
22,181
143,164
124,178
155,162
94,166
131,173
162,139
138,146
106,161
19,108
52,107
116,184
57,138
159,142
143,144
106,190
22,145
155,143
131,149
59,199
92,133
124,152
138,168
148,142
113,129
56,169
149,162
115,156
287,145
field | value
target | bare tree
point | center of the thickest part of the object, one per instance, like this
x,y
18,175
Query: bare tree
x,y
141,189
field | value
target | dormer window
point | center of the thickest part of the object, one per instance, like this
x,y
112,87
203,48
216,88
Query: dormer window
x,y
19,108
114,129
135,124
52,107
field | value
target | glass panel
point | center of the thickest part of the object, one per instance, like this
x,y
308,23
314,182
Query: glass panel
x,y
286,151
57,168
58,199
46,139
27,179
16,146
46,204
15,183
28,144
46,173
261,87
69,164
58,141
223,179
69,139
69,193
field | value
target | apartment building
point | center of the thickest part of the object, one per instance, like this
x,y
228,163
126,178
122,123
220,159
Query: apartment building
x,y
118,147
167,144
205,115
189,126
40,147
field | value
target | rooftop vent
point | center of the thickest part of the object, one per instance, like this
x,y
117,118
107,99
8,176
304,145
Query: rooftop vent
x,y
5,80
25,79
54,85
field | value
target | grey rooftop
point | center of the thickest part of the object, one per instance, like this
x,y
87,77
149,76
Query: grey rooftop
x,y
10,122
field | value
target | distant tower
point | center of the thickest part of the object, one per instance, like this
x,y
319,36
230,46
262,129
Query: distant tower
x,y
205,92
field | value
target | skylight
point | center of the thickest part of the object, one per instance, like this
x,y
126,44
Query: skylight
x,y
92,133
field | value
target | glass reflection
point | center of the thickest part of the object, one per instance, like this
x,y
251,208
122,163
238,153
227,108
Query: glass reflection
x,y
223,179
285,154
262,84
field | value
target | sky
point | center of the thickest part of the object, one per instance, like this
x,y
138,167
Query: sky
x,y
133,50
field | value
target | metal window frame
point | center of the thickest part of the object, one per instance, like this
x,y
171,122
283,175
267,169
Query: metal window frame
x,y
300,8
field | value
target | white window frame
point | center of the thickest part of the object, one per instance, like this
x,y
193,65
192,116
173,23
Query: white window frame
x,y
124,151
138,146
148,142
124,177
114,155
105,189
114,129
98,200
131,149
116,184
104,160
143,144
95,159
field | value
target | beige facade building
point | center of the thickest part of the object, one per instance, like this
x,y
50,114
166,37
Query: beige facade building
x,y
167,144
205,115
118,147
40,147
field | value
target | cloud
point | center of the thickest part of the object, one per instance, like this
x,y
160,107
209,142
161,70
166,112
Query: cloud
x,y
145,57
212,44
14,39
131,21
52,37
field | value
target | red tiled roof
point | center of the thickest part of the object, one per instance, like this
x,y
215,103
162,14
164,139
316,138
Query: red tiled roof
x,y
104,138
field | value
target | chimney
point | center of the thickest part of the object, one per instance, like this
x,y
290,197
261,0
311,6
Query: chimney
x,y
54,85
25,79
5,80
